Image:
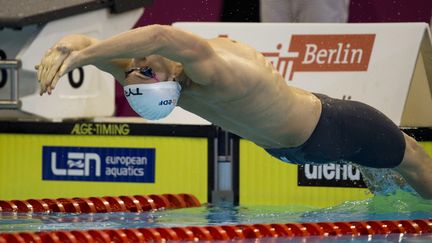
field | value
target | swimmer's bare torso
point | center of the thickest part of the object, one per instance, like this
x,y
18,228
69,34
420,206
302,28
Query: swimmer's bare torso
x,y
226,82
252,100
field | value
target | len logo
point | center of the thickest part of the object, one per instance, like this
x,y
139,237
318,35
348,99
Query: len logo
x,y
78,164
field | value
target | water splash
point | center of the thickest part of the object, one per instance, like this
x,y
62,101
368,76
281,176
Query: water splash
x,y
399,205
384,181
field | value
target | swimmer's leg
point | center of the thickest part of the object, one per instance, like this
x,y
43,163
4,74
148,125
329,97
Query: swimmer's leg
x,y
416,168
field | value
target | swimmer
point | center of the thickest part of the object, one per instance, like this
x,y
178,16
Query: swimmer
x,y
233,86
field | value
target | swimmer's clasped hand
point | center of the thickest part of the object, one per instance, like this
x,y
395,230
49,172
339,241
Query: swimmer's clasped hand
x,y
57,61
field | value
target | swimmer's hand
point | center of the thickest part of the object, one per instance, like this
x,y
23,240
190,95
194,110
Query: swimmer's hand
x,y
60,59
56,62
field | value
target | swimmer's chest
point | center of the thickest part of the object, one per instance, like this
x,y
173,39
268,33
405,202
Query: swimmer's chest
x,y
245,117
219,102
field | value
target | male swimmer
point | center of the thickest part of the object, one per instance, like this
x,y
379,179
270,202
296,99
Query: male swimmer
x,y
232,85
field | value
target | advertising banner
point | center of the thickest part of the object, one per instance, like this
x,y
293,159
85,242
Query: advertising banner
x,y
86,159
98,164
387,66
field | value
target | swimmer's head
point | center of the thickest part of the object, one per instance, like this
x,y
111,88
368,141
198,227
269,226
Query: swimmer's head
x,y
150,87
152,69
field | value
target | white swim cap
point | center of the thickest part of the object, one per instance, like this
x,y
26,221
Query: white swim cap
x,y
153,101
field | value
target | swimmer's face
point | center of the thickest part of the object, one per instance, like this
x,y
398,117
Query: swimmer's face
x,y
150,70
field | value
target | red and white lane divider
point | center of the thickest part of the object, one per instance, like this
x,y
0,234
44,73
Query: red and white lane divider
x,y
226,232
141,203
138,203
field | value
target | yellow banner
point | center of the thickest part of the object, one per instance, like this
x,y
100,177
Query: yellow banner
x,y
265,180
180,165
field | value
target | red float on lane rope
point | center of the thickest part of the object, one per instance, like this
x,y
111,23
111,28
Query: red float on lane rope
x,y
228,232
107,204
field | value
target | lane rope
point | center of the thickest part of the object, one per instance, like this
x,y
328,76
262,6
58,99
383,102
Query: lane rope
x,y
142,203
107,204
227,232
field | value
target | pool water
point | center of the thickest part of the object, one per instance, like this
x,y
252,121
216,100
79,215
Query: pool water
x,y
398,205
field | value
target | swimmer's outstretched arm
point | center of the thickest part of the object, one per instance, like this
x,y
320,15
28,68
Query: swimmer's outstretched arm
x,y
167,41
175,44
48,69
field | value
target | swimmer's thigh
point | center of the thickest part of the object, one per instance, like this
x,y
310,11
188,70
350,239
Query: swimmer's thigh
x,y
373,139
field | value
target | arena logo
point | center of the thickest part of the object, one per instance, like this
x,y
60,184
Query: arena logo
x,y
322,53
333,175
167,102
98,164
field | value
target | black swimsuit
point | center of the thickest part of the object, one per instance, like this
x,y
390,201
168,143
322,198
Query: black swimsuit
x,y
349,131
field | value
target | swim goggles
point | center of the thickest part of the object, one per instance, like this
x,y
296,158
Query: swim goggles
x,y
146,71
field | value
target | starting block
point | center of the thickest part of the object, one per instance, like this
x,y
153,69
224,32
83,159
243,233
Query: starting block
x,y
29,28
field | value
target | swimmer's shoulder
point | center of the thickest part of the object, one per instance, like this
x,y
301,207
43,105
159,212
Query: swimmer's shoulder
x,y
232,46
226,41
222,39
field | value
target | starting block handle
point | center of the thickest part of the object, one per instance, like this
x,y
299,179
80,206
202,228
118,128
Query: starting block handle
x,y
15,66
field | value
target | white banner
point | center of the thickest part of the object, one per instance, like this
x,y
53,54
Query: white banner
x,y
377,64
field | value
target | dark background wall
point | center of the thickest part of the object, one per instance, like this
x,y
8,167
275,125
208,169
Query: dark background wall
x,y
370,11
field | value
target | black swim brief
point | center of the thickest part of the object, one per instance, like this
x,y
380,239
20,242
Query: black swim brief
x,y
349,131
